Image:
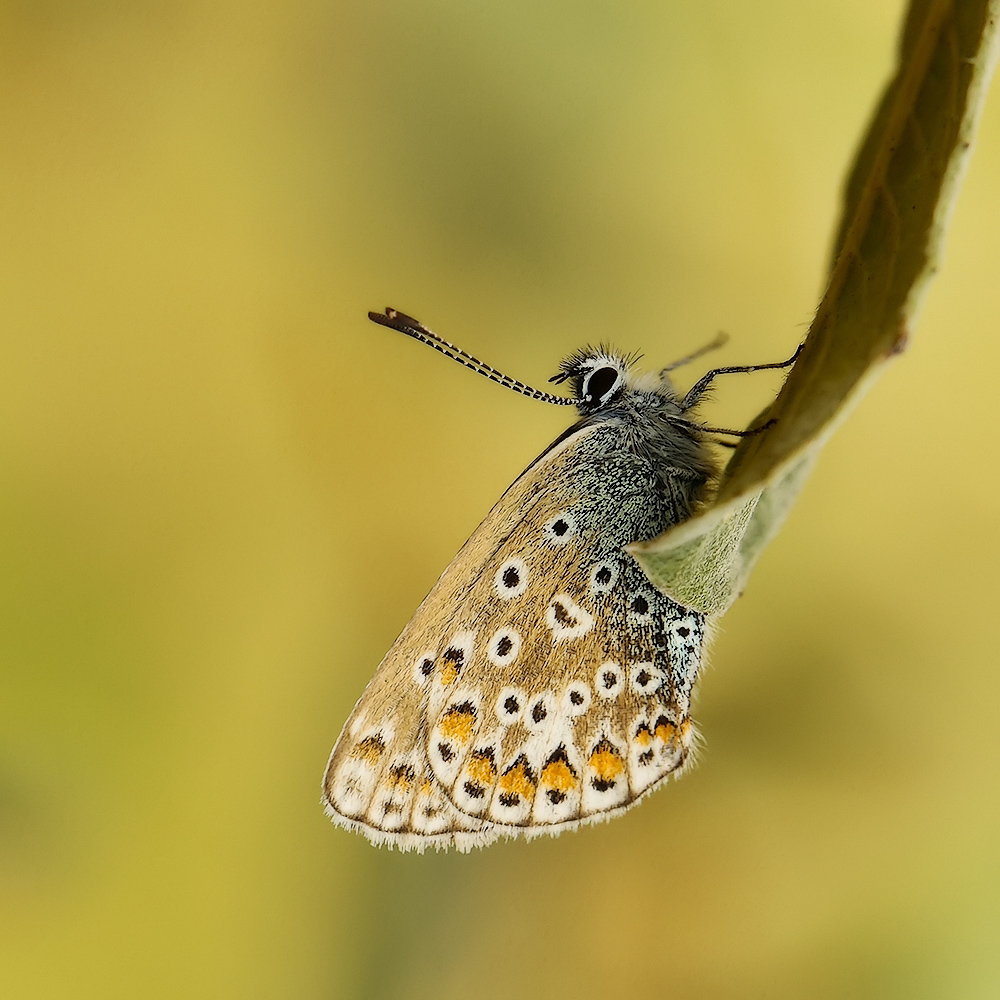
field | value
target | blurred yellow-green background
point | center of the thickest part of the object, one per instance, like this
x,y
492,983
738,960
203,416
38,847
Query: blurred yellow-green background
x,y
224,492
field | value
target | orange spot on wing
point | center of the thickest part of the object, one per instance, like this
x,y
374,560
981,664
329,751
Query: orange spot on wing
x,y
559,775
402,776
481,768
457,722
643,736
452,662
518,780
665,730
676,736
606,762
369,749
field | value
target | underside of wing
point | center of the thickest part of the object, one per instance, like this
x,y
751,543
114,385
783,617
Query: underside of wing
x,y
574,694
542,683
395,800
378,780
591,714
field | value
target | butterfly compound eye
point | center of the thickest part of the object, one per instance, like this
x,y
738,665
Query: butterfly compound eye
x,y
599,384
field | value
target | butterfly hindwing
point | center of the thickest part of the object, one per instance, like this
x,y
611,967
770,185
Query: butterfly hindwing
x,y
574,693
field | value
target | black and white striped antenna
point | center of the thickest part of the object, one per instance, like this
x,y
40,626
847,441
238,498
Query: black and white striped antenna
x,y
395,320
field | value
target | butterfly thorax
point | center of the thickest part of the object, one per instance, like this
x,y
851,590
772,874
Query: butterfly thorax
x,y
647,414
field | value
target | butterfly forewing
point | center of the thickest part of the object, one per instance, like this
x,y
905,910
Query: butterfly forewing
x,y
378,779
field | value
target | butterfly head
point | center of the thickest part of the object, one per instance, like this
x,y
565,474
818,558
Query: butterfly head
x,y
599,377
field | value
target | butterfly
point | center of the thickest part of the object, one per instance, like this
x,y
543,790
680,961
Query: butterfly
x,y
543,683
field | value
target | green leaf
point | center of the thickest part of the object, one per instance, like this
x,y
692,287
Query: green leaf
x,y
897,204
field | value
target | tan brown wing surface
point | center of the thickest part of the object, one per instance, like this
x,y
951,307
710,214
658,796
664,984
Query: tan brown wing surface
x,y
573,700
378,780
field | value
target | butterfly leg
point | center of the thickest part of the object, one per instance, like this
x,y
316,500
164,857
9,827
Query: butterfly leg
x,y
717,341
701,386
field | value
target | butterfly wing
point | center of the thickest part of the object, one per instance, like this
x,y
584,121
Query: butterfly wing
x,y
378,780
574,696
542,682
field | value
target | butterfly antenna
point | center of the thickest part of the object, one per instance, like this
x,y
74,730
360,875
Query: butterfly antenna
x,y
414,328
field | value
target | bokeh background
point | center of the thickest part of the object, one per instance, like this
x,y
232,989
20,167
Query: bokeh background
x,y
224,492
